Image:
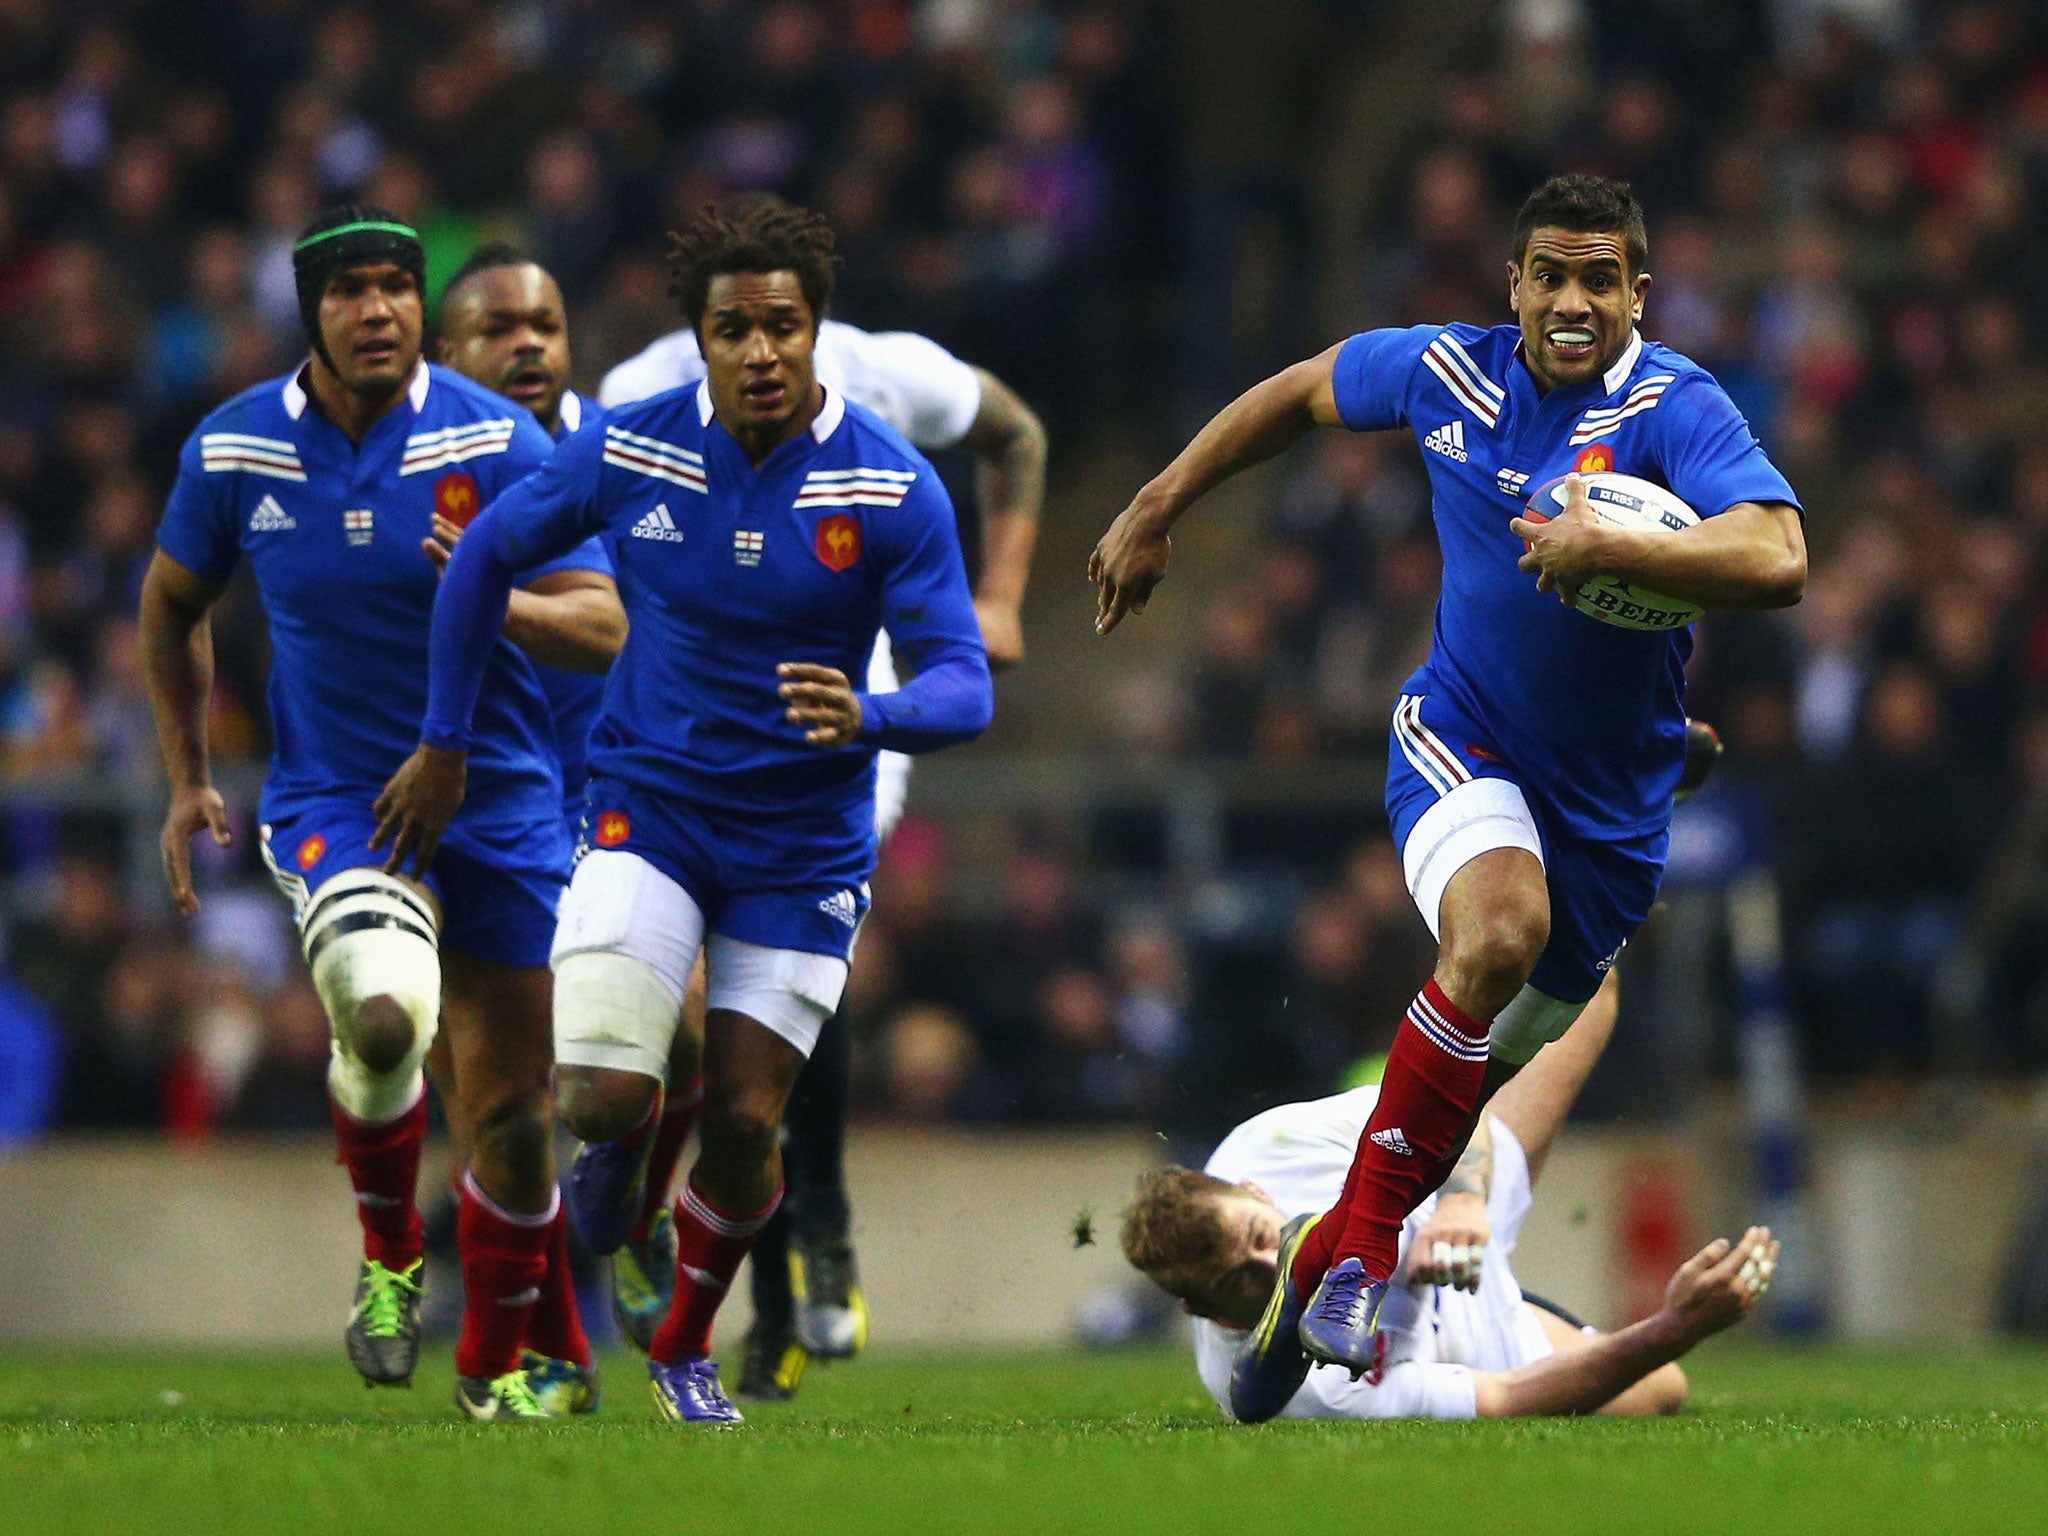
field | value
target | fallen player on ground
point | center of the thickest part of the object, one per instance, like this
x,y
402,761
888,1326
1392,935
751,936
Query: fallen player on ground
x,y
1464,1341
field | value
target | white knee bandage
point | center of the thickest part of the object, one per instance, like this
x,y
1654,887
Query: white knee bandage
x,y
367,935
1529,1022
615,1012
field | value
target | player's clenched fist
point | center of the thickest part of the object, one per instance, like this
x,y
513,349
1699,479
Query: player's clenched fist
x,y
1128,563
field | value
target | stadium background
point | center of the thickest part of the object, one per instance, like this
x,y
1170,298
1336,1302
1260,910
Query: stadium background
x,y
1159,895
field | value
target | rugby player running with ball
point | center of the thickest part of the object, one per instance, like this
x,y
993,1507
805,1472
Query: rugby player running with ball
x,y
1535,753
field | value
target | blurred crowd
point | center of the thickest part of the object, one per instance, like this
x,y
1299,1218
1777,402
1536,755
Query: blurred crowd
x,y
991,167
1848,226
1847,208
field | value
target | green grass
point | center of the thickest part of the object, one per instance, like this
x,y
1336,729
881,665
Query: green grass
x,y
1791,1441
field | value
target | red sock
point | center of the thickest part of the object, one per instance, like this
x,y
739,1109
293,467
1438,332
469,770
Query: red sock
x,y
678,1119
383,1163
1428,1100
709,1247
504,1261
556,1327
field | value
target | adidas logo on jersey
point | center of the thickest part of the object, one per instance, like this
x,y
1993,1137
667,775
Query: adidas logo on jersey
x,y
658,525
1448,440
1393,1141
841,908
269,517
746,546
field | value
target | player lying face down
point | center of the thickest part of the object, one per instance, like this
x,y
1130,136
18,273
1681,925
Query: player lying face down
x,y
1468,1341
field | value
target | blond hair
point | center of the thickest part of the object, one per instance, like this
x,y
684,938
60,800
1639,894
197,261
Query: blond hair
x,y
1173,1229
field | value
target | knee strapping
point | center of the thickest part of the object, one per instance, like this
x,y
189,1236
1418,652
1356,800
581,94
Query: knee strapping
x,y
1530,1021
615,1012
367,935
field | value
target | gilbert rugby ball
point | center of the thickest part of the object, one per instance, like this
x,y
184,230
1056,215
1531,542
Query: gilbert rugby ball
x,y
1624,501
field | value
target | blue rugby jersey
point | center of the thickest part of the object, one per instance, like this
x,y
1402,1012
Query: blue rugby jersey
x,y
726,572
573,697
1587,715
333,535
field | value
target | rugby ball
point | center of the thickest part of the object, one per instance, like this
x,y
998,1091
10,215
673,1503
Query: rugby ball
x,y
1624,501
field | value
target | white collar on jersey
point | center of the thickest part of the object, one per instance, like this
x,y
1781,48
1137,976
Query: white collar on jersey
x,y
823,425
295,392
572,411
1617,376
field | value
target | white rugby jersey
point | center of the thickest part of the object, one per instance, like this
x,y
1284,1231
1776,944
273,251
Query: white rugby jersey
x,y
1298,1154
908,380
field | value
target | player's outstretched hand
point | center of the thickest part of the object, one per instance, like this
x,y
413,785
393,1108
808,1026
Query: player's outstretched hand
x,y
1127,564
416,807
440,549
1566,551
1451,1245
1002,632
821,700
1716,1287
193,806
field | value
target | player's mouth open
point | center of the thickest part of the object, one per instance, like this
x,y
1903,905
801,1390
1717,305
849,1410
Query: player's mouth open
x,y
527,384
766,392
1572,345
377,351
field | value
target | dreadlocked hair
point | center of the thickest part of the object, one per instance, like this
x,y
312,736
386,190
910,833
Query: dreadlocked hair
x,y
1173,1228
755,232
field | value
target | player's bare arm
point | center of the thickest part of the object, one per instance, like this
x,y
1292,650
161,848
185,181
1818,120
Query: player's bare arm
x,y
1450,1246
570,619
823,701
1751,556
1712,1291
177,658
1008,443
1265,420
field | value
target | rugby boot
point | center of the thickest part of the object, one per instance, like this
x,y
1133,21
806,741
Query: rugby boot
x,y
383,1335
1270,1366
831,1312
604,1186
1341,1324
561,1387
771,1365
688,1392
1702,750
644,1281
502,1399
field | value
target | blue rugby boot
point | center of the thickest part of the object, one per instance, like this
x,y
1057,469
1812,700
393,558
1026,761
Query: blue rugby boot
x,y
605,1186
1341,1325
688,1393
1270,1365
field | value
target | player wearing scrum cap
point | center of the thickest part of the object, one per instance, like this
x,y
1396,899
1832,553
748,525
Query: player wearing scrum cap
x,y
939,403
1535,753
328,482
1464,1340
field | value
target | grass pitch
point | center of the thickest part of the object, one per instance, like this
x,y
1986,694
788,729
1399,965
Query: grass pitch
x,y
1776,1441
